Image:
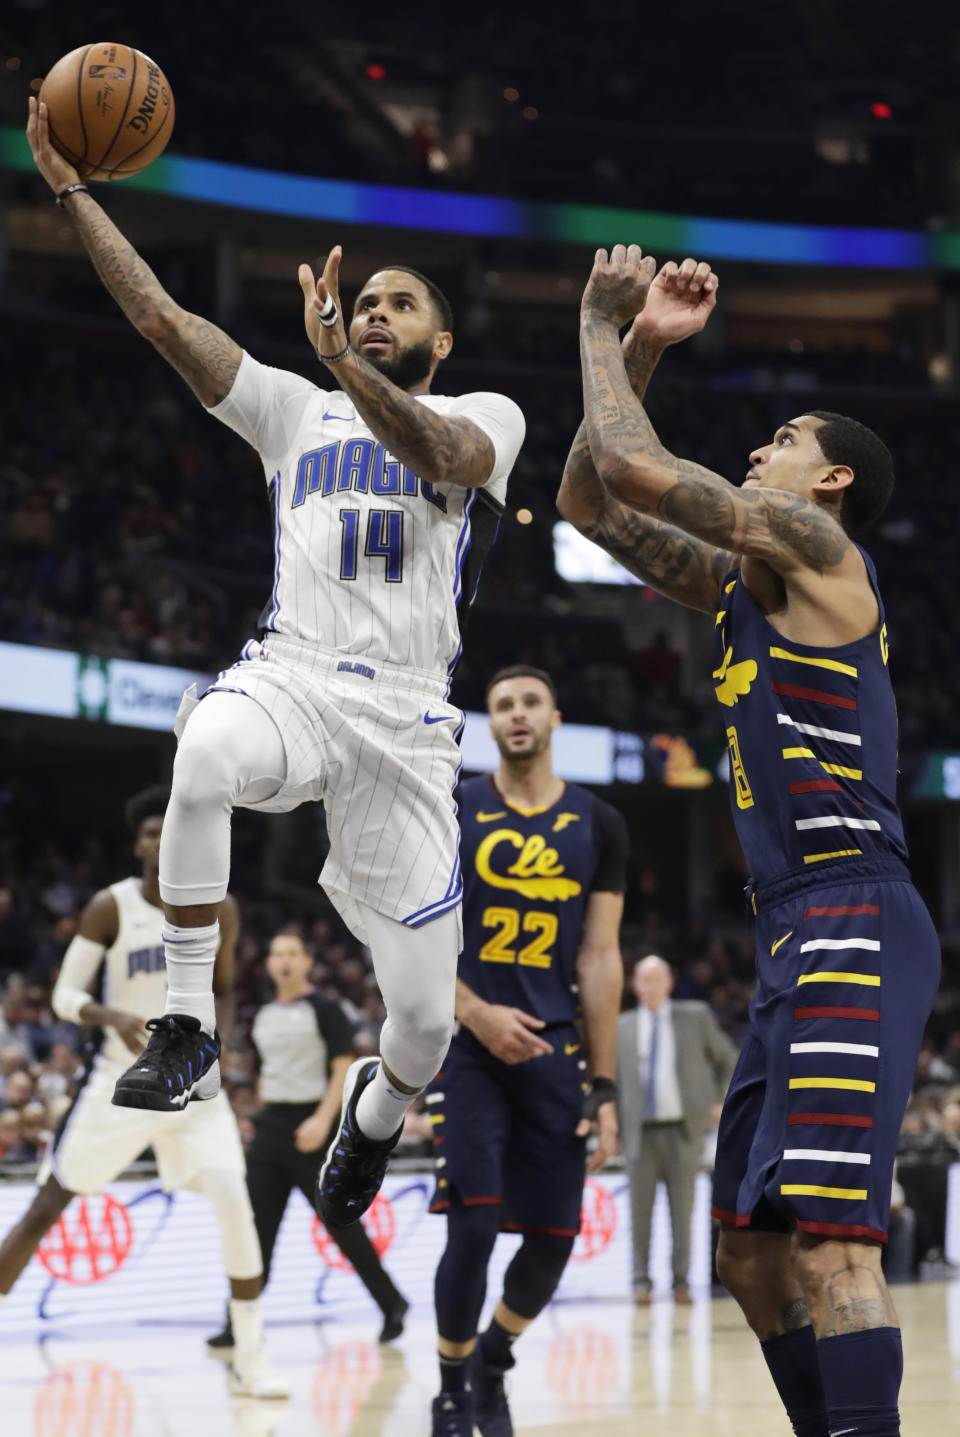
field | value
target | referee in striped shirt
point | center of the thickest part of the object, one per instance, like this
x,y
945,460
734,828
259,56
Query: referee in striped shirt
x,y
304,1045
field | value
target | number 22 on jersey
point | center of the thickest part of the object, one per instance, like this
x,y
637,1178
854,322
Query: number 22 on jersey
x,y
507,922
384,540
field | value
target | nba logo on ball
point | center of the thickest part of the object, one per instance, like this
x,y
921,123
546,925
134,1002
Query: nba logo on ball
x,y
107,72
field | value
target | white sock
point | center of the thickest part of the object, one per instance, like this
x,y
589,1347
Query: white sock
x,y
246,1320
382,1107
190,954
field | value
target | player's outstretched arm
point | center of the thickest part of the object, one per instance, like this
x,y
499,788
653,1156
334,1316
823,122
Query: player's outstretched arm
x,y
207,358
786,530
684,569
442,449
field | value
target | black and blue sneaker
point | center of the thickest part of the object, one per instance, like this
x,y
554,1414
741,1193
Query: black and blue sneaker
x,y
180,1064
492,1411
355,1165
453,1415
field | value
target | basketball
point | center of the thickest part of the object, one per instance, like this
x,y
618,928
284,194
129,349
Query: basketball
x,y
110,110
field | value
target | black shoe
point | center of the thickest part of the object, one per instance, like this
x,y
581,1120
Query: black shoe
x,y
355,1165
453,1415
393,1320
180,1063
222,1341
490,1399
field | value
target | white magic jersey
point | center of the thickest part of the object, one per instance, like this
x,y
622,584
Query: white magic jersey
x,y
134,974
369,559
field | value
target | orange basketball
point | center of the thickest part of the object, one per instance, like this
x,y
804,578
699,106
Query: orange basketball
x,y
110,110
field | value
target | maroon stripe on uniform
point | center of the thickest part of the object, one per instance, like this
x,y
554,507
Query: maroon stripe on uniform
x,y
843,1229
868,1015
816,785
829,1120
722,1215
846,912
817,696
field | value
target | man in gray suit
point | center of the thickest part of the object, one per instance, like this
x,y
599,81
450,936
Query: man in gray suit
x,y
674,1063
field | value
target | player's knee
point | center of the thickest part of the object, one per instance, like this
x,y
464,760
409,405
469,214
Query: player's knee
x,y
535,1272
204,776
425,1023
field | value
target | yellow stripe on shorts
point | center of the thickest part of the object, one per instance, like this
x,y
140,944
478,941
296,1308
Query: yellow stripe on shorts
x,y
436,1118
853,1085
813,1190
866,980
837,853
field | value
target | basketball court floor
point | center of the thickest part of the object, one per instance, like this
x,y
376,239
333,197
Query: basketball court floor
x,y
587,1368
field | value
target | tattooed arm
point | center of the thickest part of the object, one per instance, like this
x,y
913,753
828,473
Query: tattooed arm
x,y
201,353
206,357
443,449
663,556
786,530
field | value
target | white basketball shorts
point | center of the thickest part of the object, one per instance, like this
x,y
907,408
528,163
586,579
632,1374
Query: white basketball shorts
x,y
97,1141
377,744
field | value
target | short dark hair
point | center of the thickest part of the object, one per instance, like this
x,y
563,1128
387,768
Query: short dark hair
x,y
148,803
846,441
439,300
291,930
522,671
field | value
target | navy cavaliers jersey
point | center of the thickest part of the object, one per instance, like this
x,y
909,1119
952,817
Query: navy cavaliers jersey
x,y
526,880
812,735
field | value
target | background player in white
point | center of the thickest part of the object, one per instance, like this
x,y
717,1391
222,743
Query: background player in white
x,y
377,494
111,979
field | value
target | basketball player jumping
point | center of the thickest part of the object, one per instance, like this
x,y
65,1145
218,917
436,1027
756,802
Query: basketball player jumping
x,y
379,491
118,954
847,956
544,873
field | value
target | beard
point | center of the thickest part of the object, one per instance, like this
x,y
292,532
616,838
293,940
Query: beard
x,y
404,367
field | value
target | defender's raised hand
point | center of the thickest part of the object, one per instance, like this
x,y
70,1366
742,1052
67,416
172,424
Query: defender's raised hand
x,y
680,301
618,287
318,295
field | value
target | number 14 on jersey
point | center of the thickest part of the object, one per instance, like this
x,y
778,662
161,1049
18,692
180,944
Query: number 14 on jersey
x,y
383,540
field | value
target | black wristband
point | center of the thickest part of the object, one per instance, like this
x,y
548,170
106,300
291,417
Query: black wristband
x,y
601,1090
70,190
333,358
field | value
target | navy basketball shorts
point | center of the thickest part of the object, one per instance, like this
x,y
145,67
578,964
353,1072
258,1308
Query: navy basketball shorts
x,y
847,971
505,1134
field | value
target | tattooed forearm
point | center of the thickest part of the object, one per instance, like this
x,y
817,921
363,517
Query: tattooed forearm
x,y
635,468
767,523
206,357
663,556
439,449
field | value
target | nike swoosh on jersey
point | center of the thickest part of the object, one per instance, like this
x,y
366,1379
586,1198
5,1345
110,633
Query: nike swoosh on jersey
x,y
344,418
569,1048
435,718
489,817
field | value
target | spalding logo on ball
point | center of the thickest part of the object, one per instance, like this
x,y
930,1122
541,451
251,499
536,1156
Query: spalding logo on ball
x,y
110,110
